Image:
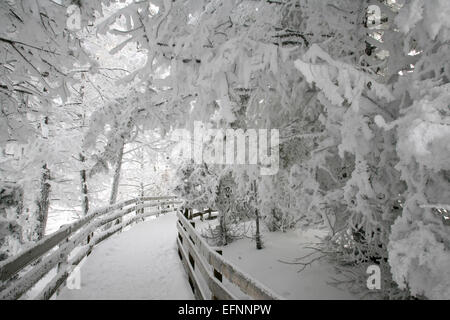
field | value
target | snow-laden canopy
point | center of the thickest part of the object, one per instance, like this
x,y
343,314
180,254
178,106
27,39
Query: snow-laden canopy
x,y
358,91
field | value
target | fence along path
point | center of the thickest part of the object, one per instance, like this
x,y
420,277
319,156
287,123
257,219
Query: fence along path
x,y
206,268
65,248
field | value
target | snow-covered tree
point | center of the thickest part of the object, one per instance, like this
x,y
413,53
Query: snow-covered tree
x,y
358,90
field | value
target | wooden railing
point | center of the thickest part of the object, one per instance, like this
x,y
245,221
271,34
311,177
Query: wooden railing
x,y
206,268
65,248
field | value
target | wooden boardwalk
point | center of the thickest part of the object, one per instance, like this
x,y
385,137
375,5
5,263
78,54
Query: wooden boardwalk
x,y
139,263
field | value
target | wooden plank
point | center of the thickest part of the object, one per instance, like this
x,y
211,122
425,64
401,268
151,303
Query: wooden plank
x,y
149,204
156,198
201,215
198,291
216,287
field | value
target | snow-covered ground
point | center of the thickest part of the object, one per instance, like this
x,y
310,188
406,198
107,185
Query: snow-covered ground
x,y
285,279
139,263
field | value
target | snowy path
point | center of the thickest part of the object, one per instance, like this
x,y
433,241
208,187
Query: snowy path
x,y
140,263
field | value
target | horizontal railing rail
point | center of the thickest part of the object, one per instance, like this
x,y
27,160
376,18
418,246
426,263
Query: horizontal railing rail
x,y
67,247
197,255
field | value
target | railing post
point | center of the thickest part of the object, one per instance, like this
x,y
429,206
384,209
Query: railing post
x,y
192,261
61,266
180,244
217,275
142,210
89,239
179,254
193,225
136,207
118,220
158,207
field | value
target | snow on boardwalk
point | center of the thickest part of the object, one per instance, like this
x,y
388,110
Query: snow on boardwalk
x,y
140,263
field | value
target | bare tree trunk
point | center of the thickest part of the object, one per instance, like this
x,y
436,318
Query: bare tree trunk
x,y
84,188
223,229
254,189
19,212
141,194
116,179
43,203
258,235
141,156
